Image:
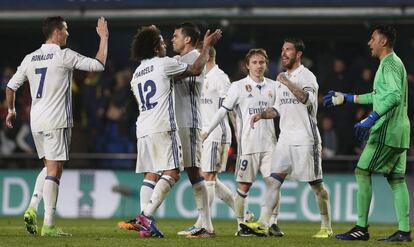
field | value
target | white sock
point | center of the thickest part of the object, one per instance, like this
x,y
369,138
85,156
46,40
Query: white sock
x,y
50,195
272,199
201,200
145,193
211,191
275,212
322,198
239,202
224,193
161,190
38,189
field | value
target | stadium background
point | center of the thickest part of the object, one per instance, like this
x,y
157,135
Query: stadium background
x,y
103,143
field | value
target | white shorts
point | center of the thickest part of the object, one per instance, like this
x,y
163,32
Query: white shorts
x,y
249,165
53,144
302,163
214,156
191,143
159,152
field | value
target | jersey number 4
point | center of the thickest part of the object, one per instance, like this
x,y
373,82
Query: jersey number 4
x,y
42,72
149,90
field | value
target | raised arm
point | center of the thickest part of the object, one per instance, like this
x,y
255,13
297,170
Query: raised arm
x,y
298,92
102,30
198,66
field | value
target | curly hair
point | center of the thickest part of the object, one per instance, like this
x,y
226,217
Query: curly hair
x,y
144,43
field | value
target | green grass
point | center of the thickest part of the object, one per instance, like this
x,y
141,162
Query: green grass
x,y
91,232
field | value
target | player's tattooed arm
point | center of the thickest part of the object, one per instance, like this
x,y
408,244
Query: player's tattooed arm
x,y
269,113
299,93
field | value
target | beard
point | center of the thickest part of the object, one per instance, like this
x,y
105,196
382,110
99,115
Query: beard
x,y
289,64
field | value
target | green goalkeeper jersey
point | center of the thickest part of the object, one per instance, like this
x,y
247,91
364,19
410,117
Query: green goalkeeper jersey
x,y
389,99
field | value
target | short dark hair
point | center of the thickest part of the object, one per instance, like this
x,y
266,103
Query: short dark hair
x,y
389,32
191,30
52,23
297,43
144,43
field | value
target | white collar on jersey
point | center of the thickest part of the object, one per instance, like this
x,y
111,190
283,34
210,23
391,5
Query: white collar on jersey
x,y
215,67
50,47
296,71
254,83
193,51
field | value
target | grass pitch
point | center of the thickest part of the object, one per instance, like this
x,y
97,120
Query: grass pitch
x,y
91,232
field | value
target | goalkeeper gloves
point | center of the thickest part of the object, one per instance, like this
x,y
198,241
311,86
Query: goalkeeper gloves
x,y
362,128
337,98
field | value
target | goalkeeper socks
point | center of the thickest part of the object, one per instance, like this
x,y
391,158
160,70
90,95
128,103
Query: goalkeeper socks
x,y
224,193
38,189
364,195
401,203
201,200
239,203
145,193
322,198
50,195
161,190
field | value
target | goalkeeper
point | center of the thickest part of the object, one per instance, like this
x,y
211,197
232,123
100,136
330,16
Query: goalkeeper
x,y
387,132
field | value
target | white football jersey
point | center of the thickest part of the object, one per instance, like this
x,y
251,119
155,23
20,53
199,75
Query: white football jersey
x,y
215,87
187,95
246,98
49,72
153,88
298,124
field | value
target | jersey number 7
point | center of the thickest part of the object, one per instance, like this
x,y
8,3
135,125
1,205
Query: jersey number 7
x,y
42,72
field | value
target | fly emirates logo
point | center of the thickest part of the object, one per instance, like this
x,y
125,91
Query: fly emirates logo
x,y
262,107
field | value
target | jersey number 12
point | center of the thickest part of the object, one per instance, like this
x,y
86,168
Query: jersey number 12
x,y
149,89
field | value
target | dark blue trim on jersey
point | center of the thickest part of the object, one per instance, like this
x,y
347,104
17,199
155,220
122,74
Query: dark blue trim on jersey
x,y
315,143
186,68
54,179
193,146
193,102
175,149
171,112
226,108
103,65
239,113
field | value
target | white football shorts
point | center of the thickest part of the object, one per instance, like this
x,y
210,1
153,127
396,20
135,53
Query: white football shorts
x,y
250,164
214,156
159,152
53,144
192,145
300,162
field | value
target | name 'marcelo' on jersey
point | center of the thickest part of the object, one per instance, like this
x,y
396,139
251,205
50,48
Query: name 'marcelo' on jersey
x,y
49,72
298,124
187,95
215,87
153,88
246,98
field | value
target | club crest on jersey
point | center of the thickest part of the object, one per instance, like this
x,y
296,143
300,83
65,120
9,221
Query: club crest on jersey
x,y
270,94
248,88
